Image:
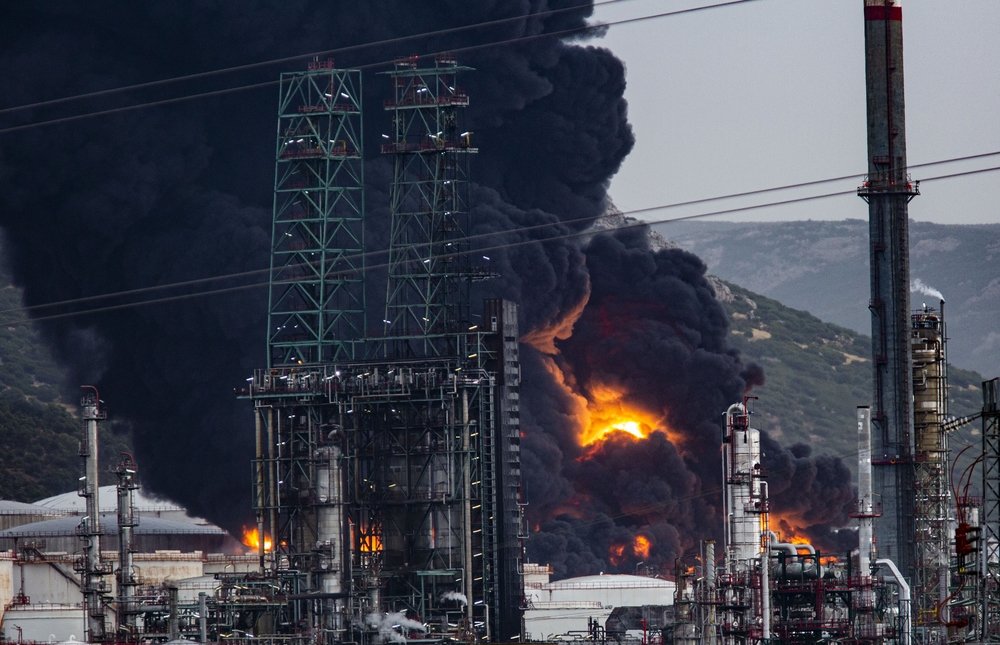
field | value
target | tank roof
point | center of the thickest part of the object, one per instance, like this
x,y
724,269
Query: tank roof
x,y
108,496
8,507
611,581
67,526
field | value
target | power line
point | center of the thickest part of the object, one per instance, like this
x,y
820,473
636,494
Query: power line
x,y
299,57
575,234
523,229
241,88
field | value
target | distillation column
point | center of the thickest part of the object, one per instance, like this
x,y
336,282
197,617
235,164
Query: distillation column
x,y
330,543
932,492
127,521
888,191
92,568
744,590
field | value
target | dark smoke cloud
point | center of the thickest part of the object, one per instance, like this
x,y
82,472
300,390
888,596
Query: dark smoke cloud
x,y
653,329
812,494
175,192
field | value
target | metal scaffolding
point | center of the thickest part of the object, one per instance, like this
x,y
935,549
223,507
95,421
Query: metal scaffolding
x,y
386,489
989,545
427,298
317,300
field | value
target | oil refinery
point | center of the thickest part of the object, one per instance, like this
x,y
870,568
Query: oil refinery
x,y
387,475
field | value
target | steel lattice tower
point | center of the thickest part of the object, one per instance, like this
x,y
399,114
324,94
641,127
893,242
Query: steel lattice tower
x,y
317,302
989,544
888,190
388,484
427,296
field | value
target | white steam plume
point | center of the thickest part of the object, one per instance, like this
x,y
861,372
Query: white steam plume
x,y
454,595
918,285
387,624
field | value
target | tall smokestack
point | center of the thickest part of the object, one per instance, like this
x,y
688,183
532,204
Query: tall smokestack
x,y
888,191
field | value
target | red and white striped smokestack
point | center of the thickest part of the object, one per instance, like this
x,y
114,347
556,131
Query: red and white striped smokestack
x,y
888,191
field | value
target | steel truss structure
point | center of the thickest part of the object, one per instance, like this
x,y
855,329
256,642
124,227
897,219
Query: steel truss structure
x,y
429,271
989,544
379,486
387,471
317,299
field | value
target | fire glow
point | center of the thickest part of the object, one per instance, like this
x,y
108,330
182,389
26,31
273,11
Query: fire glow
x,y
605,413
619,553
251,538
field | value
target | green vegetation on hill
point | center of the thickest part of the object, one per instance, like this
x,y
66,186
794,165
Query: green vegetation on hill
x,y
818,373
39,437
822,267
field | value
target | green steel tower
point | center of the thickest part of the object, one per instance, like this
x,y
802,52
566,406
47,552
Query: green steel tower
x,y
427,299
316,312
386,479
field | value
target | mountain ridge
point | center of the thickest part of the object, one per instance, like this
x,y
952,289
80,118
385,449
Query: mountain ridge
x,y
822,267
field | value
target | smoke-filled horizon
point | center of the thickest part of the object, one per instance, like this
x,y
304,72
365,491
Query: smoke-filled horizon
x,y
172,193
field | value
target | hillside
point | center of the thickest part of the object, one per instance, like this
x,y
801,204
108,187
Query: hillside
x,y
39,435
818,373
822,267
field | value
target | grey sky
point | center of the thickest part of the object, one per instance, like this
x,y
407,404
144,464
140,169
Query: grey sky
x,y
772,93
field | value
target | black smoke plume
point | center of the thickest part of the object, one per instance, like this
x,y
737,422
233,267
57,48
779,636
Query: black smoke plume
x,y
181,191
653,330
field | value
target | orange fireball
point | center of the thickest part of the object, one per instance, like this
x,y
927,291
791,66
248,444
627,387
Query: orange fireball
x,y
251,538
641,546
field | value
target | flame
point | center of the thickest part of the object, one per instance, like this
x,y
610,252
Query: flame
x,y
641,546
608,413
619,552
372,543
790,536
369,543
251,538
605,411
